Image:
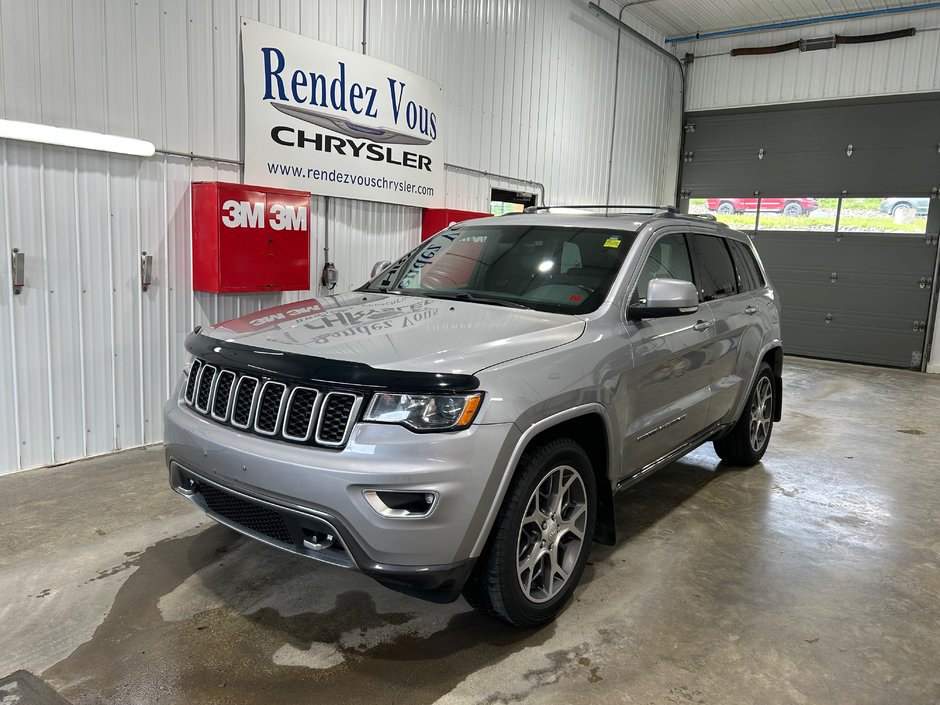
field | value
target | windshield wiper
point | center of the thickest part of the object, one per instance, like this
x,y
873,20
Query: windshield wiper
x,y
474,298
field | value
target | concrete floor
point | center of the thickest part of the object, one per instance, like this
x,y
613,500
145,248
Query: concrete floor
x,y
813,578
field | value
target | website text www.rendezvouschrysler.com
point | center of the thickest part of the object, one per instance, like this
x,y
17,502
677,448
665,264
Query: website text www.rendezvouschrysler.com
x,y
342,177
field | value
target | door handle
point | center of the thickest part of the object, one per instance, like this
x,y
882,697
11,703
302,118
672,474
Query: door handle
x,y
751,310
703,325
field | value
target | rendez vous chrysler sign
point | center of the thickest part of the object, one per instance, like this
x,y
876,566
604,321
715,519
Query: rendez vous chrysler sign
x,y
322,119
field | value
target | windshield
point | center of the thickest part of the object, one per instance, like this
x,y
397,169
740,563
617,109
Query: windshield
x,y
554,269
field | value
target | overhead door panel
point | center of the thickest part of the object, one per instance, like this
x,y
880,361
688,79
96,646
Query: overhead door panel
x,y
862,297
858,294
806,149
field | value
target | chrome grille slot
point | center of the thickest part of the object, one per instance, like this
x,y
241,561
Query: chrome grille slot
x,y
223,395
270,406
245,393
337,415
205,387
191,382
299,417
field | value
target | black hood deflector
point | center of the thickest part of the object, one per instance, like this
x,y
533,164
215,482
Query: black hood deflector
x,y
307,368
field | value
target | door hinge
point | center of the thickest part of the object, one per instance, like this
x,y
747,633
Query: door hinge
x,y
916,359
931,238
919,326
18,267
688,156
925,282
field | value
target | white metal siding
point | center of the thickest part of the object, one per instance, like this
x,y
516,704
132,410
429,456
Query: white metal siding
x,y
86,358
909,65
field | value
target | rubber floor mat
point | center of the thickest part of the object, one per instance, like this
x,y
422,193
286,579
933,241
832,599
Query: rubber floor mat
x,y
23,688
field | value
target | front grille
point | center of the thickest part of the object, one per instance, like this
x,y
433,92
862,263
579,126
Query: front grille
x,y
223,394
252,516
269,408
332,426
191,382
204,390
244,401
300,417
272,408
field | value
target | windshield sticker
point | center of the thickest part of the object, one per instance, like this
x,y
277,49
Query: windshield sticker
x,y
612,242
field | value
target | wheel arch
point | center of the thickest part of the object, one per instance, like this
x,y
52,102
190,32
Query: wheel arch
x,y
589,426
774,358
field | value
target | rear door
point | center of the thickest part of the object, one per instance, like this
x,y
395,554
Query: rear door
x,y
666,396
736,340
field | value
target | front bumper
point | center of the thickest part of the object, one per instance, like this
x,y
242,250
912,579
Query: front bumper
x,y
252,484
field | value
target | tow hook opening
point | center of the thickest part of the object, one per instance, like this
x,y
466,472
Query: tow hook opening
x,y
317,540
187,486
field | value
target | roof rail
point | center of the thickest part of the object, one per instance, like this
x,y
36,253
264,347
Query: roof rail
x,y
670,209
704,216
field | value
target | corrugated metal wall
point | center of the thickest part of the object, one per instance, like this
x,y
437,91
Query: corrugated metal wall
x,y
86,357
716,80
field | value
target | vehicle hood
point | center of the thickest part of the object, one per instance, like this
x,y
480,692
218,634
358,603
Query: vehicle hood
x,y
402,332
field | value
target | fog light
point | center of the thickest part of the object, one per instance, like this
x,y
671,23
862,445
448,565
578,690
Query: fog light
x,y
401,505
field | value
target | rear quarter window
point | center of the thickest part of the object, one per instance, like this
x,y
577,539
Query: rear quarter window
x,y
749,275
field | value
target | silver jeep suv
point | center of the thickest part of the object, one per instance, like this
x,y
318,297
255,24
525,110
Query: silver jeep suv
x,y
462,422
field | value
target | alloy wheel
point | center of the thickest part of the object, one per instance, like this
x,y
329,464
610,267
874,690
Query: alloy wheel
x,y
551,536
761,413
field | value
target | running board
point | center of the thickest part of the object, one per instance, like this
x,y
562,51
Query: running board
x,y
670,457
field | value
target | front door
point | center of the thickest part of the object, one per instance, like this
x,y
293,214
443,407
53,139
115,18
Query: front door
x,y
665,401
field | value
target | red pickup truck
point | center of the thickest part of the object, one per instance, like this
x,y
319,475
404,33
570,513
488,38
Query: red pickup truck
x,y
787,206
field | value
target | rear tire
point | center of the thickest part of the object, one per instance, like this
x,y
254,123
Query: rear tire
x,y
725,208
793,209
541,539
747,441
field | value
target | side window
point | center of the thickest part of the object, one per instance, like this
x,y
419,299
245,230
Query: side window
x,y
718,276
669,259
749,276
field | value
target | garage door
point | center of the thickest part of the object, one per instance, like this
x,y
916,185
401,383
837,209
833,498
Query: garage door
x,y
842,200
862,297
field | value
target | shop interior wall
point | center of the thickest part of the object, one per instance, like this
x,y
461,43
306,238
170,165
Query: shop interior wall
x,y
87,359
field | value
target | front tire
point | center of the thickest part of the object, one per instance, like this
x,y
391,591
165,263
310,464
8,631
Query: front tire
x,y
747,442
541,539
725,208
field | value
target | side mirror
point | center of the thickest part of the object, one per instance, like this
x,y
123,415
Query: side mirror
x,y
666,297
378,267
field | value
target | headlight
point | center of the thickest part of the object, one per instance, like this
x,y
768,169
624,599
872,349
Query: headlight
x,y
425,412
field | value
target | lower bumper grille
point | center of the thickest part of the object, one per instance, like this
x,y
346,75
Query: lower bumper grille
x,y
252,516
285,528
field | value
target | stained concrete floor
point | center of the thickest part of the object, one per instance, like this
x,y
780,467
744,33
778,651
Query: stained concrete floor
x,y
812,578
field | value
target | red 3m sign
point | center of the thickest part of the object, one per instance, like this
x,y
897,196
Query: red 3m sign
x,y
250,238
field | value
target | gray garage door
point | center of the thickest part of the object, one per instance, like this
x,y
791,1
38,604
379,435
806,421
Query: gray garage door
x,y
848,221
862,297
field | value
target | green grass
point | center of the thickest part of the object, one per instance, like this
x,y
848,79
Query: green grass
x,y
864,204
869,204
848,223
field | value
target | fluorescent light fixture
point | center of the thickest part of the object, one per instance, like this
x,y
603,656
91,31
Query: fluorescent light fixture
x,y
66,137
